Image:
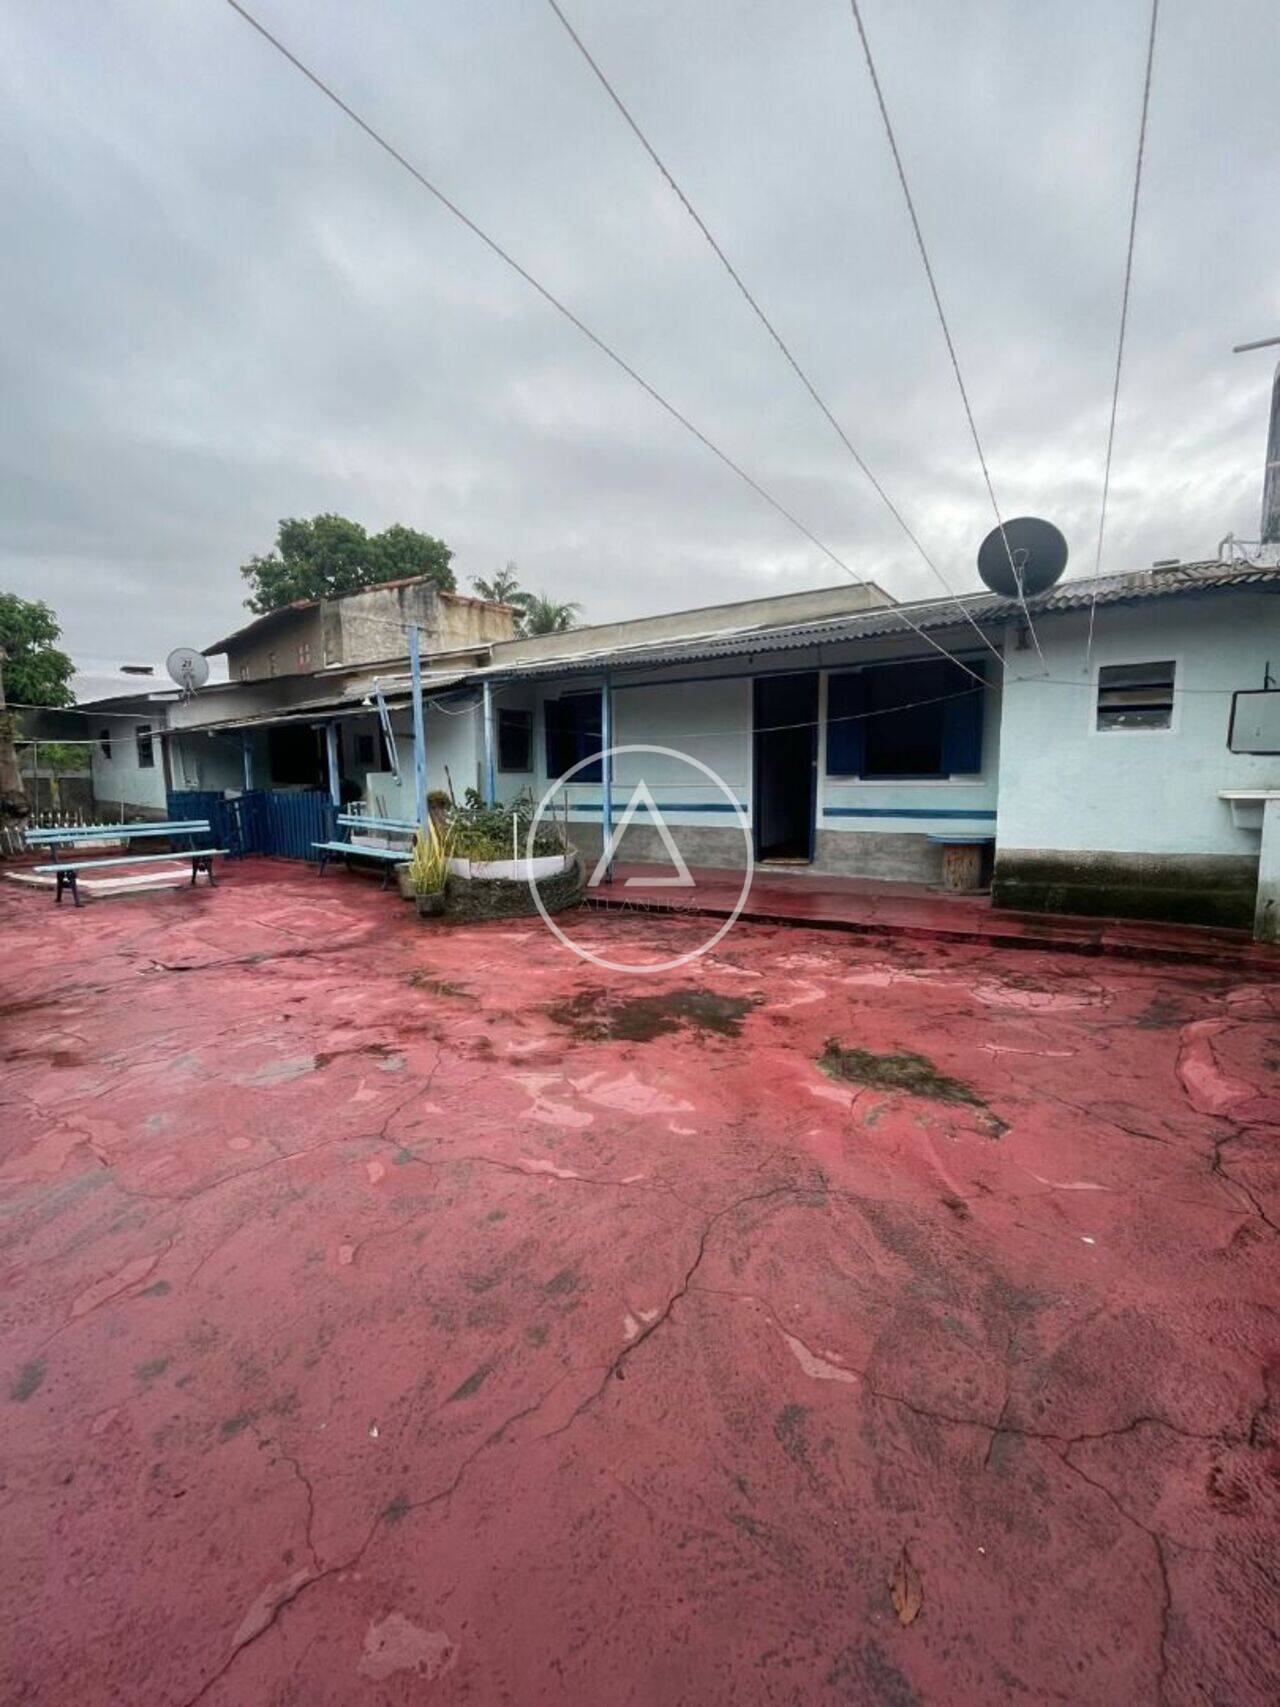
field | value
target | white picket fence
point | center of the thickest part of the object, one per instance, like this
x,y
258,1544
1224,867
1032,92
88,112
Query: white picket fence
x,y
12,837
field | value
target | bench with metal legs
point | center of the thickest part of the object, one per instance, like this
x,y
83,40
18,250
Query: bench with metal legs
x,y
65,872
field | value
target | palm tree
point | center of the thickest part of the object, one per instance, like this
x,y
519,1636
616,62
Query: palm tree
x,y
544,616
504,588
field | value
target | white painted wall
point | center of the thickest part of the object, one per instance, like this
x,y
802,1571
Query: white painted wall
x,y
453,740
708,720
118,777
1066,785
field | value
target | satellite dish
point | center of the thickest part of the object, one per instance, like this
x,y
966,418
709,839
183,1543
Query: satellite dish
x,y
1024,557
189,668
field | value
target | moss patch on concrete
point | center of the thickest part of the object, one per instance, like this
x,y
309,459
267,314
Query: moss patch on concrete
x,y
599,1016
915,1074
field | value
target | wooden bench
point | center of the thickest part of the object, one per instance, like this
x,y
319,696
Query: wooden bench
x,y
66,871
90,835
348,847
963,856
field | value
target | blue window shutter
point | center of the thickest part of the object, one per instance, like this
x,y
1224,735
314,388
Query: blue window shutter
x,y
962,726
846,700
573,733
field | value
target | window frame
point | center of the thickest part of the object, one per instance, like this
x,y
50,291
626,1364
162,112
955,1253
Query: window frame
x,y
526,714
144,740
968,779
104,744
1128,661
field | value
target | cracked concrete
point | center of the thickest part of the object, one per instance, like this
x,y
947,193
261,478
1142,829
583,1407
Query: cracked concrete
x,y
577,1368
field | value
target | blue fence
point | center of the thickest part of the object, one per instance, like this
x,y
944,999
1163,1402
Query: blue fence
x,y
282,824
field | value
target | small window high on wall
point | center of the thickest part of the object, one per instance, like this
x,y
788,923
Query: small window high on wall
x,y
146,747
1135,696
919,721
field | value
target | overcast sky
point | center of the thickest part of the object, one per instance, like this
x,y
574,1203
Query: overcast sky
x,y
223,305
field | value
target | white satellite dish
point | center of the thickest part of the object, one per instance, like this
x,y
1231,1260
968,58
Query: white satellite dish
x,y
189,668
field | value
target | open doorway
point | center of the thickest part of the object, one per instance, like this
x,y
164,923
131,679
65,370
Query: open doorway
x,y
786,766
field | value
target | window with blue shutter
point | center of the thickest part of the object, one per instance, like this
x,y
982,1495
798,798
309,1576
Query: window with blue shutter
x,y
573,733
962,724
913,720
845,702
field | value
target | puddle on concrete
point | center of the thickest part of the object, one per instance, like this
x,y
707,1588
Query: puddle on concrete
x,y
598,1016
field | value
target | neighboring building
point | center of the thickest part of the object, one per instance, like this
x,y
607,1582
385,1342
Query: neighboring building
x,y
360,629
301,708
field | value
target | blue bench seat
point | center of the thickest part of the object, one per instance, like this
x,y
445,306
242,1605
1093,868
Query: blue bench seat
x,y
66,871
349,848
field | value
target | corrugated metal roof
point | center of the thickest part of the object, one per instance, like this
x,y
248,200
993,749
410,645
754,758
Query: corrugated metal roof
x,y
929,614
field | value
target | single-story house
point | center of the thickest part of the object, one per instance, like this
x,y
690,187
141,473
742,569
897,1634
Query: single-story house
x,y
852,734
1103,775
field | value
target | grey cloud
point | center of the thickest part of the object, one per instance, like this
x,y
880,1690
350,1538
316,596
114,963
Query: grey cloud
x,y
223,305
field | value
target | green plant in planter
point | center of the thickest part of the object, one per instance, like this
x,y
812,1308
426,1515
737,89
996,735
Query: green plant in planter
x,y
501,832
429,863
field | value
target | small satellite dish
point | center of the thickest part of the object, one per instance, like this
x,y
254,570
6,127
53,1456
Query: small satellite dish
x,y
1023,558
189,668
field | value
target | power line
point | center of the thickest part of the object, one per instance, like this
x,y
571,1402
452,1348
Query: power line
x,y
1124,318
1015,570
764,319
560,307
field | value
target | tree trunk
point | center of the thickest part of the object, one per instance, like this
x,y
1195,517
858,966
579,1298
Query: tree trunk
x,y
13,799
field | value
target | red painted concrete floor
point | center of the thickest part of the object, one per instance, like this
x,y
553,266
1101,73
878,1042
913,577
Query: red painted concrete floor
x,y
915,909
398,1313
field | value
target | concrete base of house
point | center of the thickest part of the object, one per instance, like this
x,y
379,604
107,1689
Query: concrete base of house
x,y
838,853
1203,889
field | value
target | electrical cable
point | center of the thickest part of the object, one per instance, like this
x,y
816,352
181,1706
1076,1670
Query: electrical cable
x,y
1124,318
1014,568
561,308
765,321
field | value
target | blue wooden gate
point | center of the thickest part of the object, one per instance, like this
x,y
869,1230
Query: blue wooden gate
x,y
281,823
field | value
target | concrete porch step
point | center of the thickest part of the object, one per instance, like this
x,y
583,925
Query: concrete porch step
x,y
873,907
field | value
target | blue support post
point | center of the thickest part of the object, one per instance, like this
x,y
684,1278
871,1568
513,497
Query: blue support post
x,y
490,779
606,771
331,753
419,729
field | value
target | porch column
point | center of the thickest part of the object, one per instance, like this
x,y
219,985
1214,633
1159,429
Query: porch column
x,y
331,753
606,772
246,743
419,728
490,781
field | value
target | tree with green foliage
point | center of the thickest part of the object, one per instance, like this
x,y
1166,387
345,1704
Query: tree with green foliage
x,y
503,588
544,616
329,555
35,671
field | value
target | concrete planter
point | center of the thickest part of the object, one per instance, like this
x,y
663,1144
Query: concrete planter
x,y
512,870
430,906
